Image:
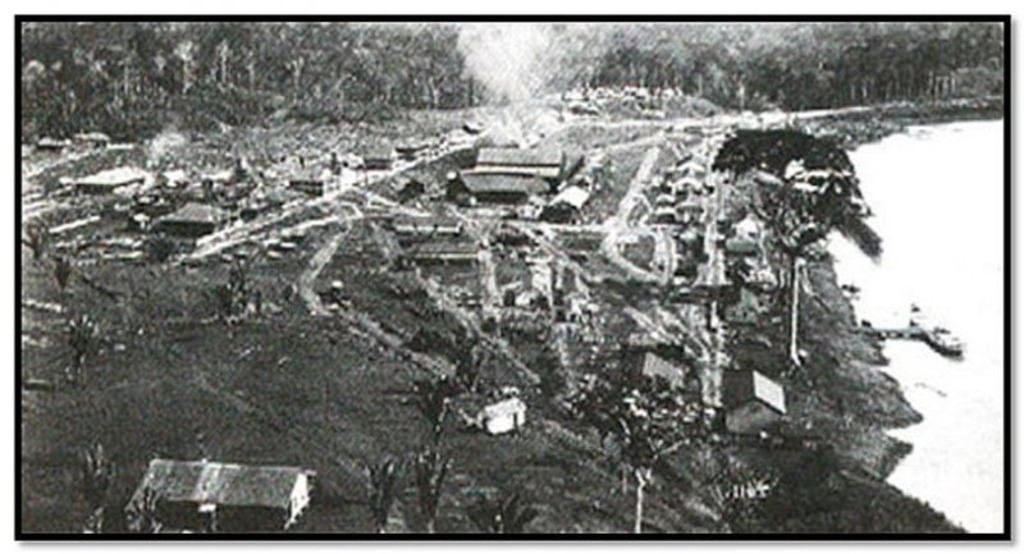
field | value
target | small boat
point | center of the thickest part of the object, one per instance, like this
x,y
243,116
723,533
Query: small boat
x,y
943,342
939,338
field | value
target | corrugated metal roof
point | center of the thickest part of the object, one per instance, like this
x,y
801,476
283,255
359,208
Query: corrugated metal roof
x,y
743,386
379,153
505,408
519,156
117,177
194,213
482,183
573,196
443,249
407,222
220,483
542,171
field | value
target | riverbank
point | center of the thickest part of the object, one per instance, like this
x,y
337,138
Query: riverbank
x,y
843,395
959,442
854,128
849,361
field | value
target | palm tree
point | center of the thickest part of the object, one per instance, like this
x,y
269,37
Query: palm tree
x,y
383,491
506,512
646,420
807,189
83,338
430,469
142,515
97,474
62,272
37,238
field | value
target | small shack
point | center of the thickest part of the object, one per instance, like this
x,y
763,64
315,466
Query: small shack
x,y
52,144
310,181
566,205
689,211
378,158
111,180
427,226
503,417
202,496
441,252
742,247
644,361
410,150
753,402
92,140
497,187
193,220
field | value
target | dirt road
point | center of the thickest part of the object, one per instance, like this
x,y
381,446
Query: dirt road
x,y
620,225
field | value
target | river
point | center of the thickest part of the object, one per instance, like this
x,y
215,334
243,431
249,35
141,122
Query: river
x,y
937,195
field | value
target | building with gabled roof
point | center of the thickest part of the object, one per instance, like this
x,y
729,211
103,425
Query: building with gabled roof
x,y
442,251
545,163
753,402
378,157
497,187
312,181
425,226
111,180
214,496
192,220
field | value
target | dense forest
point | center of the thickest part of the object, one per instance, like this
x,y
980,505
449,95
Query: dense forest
x,y
131,80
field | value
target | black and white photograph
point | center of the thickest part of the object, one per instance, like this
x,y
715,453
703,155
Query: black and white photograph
x,y
512,278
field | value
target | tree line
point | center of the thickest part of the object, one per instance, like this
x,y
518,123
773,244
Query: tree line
x,y
806,66
131,79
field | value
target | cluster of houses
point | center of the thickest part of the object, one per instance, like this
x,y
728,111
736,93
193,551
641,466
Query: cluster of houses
x,y
82,141
751,403
537,182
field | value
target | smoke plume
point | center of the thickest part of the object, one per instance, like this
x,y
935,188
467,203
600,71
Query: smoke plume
x,y
512,60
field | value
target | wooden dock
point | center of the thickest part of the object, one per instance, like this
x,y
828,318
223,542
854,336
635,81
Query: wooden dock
x,y
908,333
928,336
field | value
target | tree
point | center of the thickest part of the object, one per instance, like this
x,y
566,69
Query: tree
x,y
83,339
431,399
383,491
467,369
61,272
142,514
503,513
646,420
37,238
97,473
807,188
430,468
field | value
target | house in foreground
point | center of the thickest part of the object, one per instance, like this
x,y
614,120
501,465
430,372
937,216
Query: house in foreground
x,y
753,402
207,496
503,417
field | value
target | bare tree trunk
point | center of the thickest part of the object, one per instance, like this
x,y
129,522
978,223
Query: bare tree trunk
x,y
643,476
794,309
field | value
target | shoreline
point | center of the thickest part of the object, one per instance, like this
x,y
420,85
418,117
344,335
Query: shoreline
x,y
843,393
855,131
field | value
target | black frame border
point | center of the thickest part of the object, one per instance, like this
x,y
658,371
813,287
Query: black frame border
x,y
1008,225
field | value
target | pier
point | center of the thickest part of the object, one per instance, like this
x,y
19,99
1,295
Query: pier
x,y
938,339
